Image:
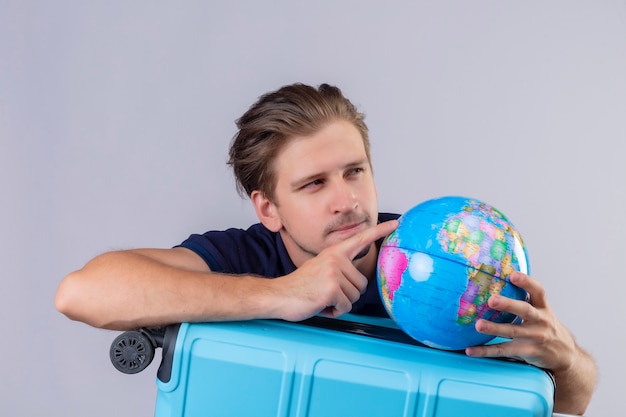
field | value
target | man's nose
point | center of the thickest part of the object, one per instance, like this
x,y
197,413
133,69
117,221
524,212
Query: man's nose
x,y
344,197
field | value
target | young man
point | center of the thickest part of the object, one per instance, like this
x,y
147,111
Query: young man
x,y
302,157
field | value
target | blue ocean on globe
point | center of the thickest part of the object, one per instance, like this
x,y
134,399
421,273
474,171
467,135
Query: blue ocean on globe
x,y
437,270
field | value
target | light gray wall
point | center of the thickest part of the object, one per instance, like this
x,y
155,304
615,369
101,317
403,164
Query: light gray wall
x,y
115,119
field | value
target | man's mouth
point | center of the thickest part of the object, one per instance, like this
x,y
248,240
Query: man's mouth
x,y
348,228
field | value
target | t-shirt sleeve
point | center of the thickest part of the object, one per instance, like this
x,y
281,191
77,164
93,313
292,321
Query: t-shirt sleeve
x,y
236,251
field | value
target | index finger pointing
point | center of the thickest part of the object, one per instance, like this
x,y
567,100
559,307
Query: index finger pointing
x,y
354,245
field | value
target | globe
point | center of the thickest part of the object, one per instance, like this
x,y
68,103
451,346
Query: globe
x,y
437,270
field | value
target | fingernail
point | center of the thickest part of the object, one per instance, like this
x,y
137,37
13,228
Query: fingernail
x,y
494,300
480,326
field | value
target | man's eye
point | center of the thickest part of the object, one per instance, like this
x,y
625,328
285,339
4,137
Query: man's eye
x,y
314,183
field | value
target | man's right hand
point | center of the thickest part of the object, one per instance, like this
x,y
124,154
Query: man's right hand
x,y
329,283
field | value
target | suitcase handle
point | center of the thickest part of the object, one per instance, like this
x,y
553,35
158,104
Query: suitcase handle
x,y
375,327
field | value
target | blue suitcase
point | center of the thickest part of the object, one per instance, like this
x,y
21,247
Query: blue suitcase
x,y
355,366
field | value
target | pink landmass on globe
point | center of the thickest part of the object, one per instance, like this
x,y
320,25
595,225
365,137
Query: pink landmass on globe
x,y
393,264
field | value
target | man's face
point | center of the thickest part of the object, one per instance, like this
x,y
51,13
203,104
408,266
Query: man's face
x,y
325,190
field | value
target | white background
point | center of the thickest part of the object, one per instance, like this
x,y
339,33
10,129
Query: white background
x,y
115,119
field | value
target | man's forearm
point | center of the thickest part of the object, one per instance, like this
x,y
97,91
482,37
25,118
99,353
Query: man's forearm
x,y
130,289
575,386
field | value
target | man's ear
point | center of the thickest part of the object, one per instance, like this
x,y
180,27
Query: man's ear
x,y
266,211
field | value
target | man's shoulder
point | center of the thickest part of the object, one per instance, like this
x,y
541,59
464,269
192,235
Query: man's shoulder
x,y
254,250
254,234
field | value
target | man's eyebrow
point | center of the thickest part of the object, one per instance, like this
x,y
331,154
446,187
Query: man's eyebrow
x,y
360,162
297,183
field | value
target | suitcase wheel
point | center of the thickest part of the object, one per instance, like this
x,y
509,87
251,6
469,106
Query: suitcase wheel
x,y
131,352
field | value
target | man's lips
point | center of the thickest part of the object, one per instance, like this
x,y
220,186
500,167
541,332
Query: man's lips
x,y
348,228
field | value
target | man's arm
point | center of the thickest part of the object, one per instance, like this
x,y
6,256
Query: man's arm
x,y
153,287
542,340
